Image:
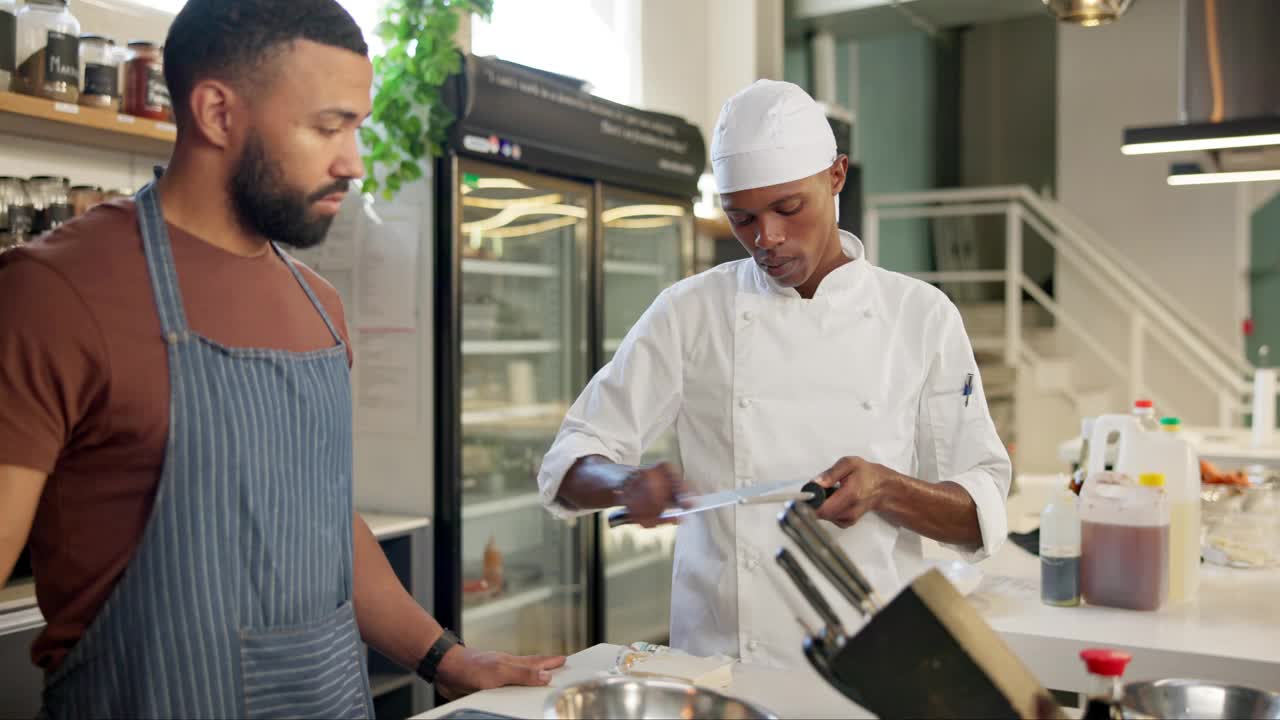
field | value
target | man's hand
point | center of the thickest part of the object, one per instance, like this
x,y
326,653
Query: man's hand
x,y
649,490
464,671
860,489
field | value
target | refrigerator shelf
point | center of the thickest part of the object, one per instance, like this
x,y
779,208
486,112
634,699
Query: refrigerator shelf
x,y
626,267
500,506
635,564
505,267
510,347
611,345
514,413
506,605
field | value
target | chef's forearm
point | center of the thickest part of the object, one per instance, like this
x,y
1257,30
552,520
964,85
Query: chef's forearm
x,y
390,620
593,483
944,512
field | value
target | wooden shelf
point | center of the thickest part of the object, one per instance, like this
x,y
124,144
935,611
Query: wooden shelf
x,y
42,119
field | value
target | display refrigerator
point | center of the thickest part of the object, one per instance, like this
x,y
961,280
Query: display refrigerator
x,y
560,217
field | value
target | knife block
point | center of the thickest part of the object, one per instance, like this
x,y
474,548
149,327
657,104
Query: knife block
x,y
928,653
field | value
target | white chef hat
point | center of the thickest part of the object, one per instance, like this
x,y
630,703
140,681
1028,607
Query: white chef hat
x,y
768,134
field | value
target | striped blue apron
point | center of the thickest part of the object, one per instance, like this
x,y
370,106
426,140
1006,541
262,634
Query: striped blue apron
x,y
238,600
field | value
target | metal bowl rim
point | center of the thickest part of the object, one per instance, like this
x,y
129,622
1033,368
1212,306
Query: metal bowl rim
x,y
670,684
1192,682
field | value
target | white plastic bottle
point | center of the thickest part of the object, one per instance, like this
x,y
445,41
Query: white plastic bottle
x,y
1060,550
1145,412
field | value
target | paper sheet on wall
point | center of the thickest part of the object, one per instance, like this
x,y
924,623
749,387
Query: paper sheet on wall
x,y
387,269
387,390
338,251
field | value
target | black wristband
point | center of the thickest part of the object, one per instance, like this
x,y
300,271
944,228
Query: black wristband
x,y
430,664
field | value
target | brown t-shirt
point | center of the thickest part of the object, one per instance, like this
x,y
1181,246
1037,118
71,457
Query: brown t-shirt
x,y
84,387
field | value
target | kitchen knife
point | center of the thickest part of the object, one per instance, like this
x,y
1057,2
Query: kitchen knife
x,y
811,493
834,629
800,524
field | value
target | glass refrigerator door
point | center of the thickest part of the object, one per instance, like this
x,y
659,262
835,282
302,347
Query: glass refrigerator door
x,y
523,294
645,241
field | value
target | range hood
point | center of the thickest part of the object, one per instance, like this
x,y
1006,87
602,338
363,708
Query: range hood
x,y
1230,99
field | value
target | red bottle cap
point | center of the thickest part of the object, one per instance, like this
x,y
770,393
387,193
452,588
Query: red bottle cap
x,y
1108,663
1143,404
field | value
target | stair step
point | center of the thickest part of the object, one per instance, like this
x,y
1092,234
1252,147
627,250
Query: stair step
x,y
987,318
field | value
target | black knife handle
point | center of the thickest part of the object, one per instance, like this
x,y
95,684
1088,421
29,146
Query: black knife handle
x,y
818,494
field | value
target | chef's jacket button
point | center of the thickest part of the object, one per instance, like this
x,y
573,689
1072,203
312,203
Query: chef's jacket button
x,y
747,316
866,405
753,645
744,403
752,564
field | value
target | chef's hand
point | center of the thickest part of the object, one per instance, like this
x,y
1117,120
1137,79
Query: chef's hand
x,y
859,484
464,671
650,489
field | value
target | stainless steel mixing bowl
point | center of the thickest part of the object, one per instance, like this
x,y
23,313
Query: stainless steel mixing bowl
x,y
1179,699
625,698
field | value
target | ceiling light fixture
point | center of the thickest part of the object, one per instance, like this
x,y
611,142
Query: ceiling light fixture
x,y
1087,13
1183,178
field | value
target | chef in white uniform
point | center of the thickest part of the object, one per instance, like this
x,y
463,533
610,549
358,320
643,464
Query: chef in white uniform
x,y
803,362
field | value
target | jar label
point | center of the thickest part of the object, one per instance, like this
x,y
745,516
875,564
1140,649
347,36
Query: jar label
x,y
8,42
101,80
22,219
62,59
157,90
59,213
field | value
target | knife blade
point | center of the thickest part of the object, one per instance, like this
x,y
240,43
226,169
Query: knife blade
x,y
810,493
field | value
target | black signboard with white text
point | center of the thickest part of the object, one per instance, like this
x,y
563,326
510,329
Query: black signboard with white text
x,y
513,114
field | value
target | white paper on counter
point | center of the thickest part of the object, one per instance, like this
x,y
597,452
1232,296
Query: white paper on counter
x,y
387,269
387,390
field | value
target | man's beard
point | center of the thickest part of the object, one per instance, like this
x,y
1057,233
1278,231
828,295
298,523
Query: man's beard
x,y
267,205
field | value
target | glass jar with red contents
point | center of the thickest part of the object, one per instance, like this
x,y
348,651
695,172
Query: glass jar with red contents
x,y
145,93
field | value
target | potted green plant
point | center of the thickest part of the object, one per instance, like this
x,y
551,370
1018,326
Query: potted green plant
x,y
409,119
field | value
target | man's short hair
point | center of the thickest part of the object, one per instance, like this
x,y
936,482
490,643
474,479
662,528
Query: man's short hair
x,y
236,40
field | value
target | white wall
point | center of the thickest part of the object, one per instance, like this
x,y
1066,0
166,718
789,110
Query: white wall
x,y
1187,239
695,54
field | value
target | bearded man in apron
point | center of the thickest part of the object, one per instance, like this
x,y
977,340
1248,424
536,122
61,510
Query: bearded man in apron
x,y
175,431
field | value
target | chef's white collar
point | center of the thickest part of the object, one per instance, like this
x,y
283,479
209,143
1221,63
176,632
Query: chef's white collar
x,y
844,279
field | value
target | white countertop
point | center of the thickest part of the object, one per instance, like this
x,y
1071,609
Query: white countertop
x,y
1230,633
786,693
388,526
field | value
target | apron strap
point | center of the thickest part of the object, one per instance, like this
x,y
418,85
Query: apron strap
x,y
159,254
288,261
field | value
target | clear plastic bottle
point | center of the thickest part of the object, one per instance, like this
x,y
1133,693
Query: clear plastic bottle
x,y
1060,551
1104,700
1145,411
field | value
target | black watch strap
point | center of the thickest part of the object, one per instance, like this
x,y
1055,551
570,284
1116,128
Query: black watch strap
x,y
430,664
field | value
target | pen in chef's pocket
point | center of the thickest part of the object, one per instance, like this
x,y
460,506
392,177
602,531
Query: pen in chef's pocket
x,y
968,388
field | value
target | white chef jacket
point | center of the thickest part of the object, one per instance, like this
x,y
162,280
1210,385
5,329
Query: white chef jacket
x,y
764,386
